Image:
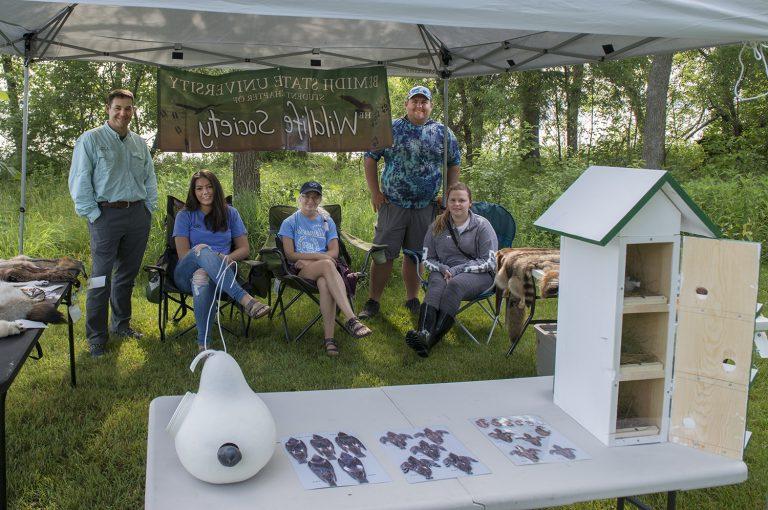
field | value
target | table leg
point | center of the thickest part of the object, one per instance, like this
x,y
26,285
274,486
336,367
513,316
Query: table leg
x,y
671,500
70,328
3,495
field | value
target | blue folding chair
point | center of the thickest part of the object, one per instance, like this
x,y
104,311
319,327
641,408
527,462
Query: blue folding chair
x,y
505,228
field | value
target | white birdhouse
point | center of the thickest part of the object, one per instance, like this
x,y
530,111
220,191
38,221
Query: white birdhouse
x,y
654,336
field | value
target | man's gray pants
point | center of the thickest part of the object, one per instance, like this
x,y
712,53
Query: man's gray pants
x,y
118,241
447,296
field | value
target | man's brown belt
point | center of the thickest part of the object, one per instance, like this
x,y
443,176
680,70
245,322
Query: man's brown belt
x,y
121,204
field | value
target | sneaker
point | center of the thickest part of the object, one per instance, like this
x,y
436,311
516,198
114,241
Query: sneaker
x,y
370,309
97,350
130,333
413,306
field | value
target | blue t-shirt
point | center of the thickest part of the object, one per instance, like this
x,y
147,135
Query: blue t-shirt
x,y
412,175
191,224
309,236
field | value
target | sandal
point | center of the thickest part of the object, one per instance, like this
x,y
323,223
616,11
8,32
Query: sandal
x,y
356,328
331,349
256,309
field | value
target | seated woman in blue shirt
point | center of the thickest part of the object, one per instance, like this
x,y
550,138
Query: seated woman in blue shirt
x,y
311,245
204,232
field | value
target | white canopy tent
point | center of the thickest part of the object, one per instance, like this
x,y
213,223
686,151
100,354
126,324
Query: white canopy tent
x,y
427,38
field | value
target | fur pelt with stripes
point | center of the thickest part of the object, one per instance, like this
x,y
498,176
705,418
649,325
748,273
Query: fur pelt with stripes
x,y
514,279
20,303
25,269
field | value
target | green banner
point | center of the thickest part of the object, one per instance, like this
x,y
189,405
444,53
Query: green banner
x,y
273,109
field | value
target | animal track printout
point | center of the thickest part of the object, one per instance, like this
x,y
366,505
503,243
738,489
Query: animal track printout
x,y
430,453
527,439
332,459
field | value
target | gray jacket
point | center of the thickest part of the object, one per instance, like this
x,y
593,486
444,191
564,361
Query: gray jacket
x,y
478,240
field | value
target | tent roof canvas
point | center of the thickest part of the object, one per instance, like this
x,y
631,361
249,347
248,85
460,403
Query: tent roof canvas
x,y
426,38
604,199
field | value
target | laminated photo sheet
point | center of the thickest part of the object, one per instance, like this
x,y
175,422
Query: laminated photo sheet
x,y
430,453
527,439
332,459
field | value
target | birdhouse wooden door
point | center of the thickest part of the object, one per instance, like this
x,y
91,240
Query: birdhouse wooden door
x,y
713,349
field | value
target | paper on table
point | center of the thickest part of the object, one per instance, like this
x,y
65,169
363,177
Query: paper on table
x,y
431,453
319,464
31,324
528,439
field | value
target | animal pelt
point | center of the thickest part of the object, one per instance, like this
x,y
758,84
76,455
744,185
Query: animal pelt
x,y
8,328
24,269
514,279
16,304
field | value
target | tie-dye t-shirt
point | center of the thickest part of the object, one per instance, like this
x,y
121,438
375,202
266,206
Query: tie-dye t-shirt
x,y
411,176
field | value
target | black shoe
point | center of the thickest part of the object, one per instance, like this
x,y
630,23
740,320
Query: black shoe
x,y
97,350
130,333
413,305
443,324
370,309
417,340
427,317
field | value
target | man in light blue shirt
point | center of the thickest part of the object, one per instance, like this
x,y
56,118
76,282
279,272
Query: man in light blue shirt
x,y
113,184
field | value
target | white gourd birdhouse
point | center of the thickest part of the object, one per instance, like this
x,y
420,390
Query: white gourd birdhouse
x,y
654,335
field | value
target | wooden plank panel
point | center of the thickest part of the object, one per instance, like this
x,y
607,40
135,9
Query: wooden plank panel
x,y
705,342
720,276
709,414
641,371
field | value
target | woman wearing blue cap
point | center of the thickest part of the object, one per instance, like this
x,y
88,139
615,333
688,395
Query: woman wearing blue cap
x,y
311,245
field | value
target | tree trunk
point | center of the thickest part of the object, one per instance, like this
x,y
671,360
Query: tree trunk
x,y
573,103
342,159
246,168
463,124
654,129
14,107
530,117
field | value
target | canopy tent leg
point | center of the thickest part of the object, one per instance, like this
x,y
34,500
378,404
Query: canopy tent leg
x,y
25,126
445,143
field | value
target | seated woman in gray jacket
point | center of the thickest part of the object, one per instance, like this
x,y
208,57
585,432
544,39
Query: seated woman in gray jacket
x,y
460,253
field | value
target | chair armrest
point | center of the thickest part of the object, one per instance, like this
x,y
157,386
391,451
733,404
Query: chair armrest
x,y
275,261
416,259
155,269
374,251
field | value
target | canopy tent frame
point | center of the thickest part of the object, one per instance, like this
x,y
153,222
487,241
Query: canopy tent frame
x,y
460,38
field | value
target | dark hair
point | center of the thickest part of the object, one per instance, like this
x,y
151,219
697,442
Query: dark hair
x,y
119,93
441,223
216,220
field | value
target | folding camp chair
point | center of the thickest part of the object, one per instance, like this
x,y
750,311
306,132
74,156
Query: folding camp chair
x,y
276,262
164,290
505,228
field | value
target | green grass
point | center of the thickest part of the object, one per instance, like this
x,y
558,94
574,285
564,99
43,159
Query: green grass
x,y
86,447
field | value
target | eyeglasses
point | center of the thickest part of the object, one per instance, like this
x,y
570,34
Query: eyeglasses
x,y
313,197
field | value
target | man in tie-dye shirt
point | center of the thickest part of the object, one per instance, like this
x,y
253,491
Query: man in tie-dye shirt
x,y
405,199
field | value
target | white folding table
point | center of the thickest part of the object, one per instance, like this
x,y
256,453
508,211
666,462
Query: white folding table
x,y
610,473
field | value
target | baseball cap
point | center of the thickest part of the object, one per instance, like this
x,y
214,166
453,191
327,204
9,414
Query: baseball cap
x,y
420,90
311,186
